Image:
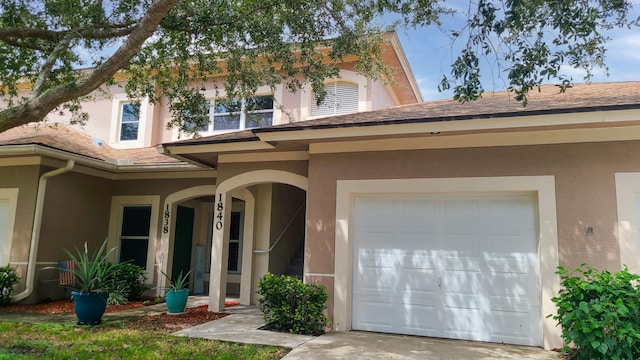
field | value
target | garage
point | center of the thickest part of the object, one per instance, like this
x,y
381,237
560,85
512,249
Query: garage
x,y
462,266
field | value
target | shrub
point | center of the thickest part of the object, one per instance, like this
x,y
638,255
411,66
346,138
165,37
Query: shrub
x,y
129,280
8,278
599,313
287,304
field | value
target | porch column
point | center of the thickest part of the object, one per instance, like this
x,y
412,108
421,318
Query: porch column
x,y
219,252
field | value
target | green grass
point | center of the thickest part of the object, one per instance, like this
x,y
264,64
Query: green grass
x,y
116,341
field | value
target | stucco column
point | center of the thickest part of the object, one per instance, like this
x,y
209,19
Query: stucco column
x,y
219,252
263,235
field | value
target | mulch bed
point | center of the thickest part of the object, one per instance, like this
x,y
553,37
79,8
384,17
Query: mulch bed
x,y
162,323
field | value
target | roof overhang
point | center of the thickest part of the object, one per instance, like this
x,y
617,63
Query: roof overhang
x,y
503,129
108,169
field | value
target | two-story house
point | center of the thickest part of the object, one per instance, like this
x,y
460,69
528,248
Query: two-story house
x,y
435,219
64,184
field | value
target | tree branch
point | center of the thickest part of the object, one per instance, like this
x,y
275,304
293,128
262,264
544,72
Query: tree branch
x,y
107,31
35,109
46,68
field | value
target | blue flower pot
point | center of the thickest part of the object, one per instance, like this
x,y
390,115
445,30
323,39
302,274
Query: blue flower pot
x,y
177,300
89,307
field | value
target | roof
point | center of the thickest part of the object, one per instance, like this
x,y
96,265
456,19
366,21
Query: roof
x,y
548,100
64,138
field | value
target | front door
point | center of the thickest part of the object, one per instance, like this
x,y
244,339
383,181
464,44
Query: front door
x,y
182,241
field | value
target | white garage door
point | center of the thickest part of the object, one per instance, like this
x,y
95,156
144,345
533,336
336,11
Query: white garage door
x,y
453,266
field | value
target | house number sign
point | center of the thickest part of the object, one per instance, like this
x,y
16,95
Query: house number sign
x,y
219,209
165,220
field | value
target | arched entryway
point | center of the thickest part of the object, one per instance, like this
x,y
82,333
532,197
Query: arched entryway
x,y
253,265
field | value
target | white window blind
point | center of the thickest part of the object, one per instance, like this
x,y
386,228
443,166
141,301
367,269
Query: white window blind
x,y
342,98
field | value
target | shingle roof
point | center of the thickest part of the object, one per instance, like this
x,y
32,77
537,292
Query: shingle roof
x,y
62,137
549,100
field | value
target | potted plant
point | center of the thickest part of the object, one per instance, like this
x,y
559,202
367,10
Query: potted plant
x,y
177,293
93,275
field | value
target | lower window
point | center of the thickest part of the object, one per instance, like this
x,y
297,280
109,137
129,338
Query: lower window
x,y
134,234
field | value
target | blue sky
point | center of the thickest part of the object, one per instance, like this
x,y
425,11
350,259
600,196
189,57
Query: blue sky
x,y
429,52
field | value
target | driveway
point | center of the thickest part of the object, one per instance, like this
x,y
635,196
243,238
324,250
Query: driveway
x,y
372,346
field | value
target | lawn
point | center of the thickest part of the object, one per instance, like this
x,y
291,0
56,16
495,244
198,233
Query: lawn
x,y
117,340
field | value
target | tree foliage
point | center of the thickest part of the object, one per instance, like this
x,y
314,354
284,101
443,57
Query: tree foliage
x,y
171,48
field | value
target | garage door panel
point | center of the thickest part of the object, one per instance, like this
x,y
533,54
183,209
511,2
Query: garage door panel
x,y
457,266
375,315
460,213
418,320
418,213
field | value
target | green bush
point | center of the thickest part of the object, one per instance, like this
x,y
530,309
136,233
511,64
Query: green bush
x,y
8,278
287,304
129,280
599,313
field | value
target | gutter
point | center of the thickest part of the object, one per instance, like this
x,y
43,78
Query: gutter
x,y
37,223
35,149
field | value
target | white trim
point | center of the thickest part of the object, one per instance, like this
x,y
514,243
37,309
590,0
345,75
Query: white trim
x,y
443,141
319,274
6,235
259,157
544,186
306,95
171,202
115,223
143,139
473,124
627,188
21,161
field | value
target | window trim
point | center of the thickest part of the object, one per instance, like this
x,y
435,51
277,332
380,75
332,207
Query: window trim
x,y
277,94
306,97
116,123
118,204
242,123
10,194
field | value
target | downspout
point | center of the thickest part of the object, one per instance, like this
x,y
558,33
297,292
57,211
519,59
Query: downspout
x,y
35,234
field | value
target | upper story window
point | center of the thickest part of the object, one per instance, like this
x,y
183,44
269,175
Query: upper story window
x,y
341,98
236,114
129,121
130,126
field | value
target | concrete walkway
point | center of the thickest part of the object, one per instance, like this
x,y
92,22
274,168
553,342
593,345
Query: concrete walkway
x,y
243,325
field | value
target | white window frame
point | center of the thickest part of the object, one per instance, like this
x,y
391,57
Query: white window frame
x,y
306,97
118,203
6,235
119,100
242,113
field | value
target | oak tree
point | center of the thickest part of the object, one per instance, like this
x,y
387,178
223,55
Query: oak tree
x,y
55,53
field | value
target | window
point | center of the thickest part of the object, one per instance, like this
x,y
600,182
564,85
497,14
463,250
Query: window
x,y
129,121
234,114
134,234
341,98
234,242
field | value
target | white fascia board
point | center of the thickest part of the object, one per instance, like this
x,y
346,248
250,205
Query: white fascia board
x,y
91,162
477,124
217,148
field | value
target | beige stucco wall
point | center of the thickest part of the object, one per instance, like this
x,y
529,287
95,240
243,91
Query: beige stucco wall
x,y
584,178
229,170
25,179
76,210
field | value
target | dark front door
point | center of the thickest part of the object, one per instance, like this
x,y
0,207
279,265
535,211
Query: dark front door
x,y
182,241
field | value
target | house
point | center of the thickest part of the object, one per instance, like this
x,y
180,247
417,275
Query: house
x,y
64,184
435,219
439,218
